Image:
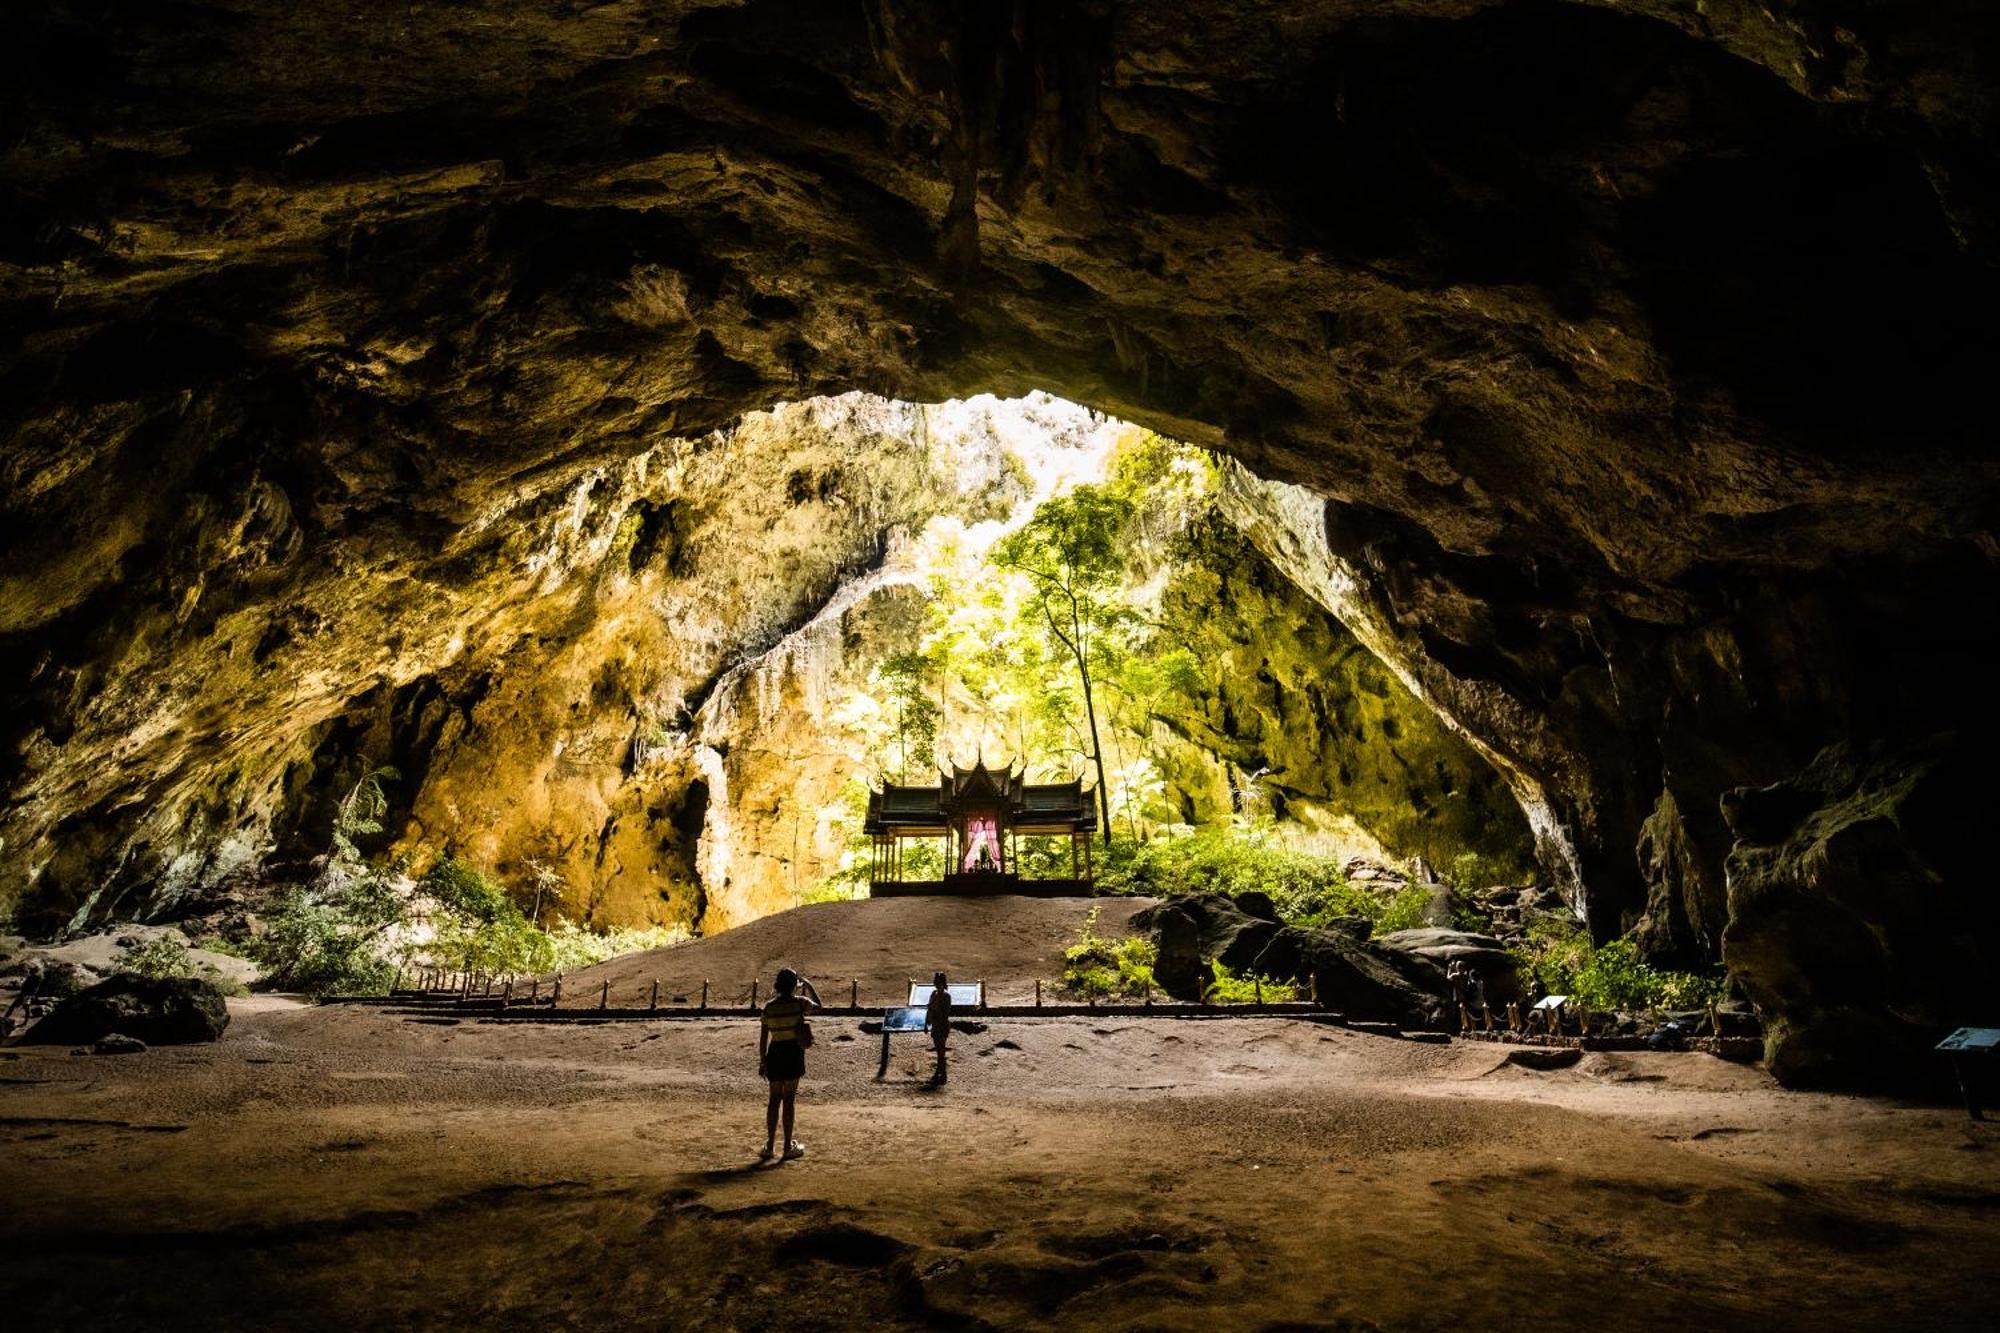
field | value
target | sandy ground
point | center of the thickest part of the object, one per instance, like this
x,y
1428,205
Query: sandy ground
x,y
346,1168
865,947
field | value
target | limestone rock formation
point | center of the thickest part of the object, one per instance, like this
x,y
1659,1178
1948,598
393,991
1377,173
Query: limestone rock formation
x,y
158,1011
1629,362
1291,706
1855,911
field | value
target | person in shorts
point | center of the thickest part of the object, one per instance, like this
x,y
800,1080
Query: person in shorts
x,y
781,1056
937,1021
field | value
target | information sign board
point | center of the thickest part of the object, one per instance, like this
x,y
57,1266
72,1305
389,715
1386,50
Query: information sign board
x,y
903,1020
1971,1040
963,995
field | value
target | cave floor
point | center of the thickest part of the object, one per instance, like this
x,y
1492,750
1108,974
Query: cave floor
x,y
343,1168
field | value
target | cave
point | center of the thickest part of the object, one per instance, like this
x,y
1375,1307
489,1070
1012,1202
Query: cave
x,y
488,445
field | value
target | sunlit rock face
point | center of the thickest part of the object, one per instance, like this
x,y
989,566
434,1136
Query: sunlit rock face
x,y
1636,354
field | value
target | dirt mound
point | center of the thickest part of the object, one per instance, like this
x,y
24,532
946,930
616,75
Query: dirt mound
x,y
875,944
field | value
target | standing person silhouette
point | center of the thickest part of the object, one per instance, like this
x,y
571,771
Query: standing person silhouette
x,y
781,1056
937,1021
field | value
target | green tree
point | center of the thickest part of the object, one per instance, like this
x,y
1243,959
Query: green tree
x,y
905,682
1071,553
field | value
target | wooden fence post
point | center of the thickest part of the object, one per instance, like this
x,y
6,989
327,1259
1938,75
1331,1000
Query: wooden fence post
x,y
534,990
753,992
604,995
555,996
704,994
654,1003
854,993
1038,992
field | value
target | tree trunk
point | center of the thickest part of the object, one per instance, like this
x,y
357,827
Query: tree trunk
x,y
1096,752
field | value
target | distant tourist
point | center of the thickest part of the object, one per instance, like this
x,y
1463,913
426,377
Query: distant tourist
x,y
1455,975
1475,996
781,1056
937,1021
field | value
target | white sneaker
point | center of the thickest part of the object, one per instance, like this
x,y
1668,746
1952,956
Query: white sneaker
x,y
794,1149
764,1154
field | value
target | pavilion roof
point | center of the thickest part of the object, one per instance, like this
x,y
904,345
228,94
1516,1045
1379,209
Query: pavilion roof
x,y
1039,804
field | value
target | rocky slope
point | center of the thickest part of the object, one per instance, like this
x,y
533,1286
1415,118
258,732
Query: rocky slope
x,y
1636,354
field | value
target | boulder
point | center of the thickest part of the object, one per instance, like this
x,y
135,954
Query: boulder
x,y
57,979
1358,979
1256,903
1177,964
1440,945
1361,869
1350,975
1195,930
1354,927
1544,1058
167,1012
117,1044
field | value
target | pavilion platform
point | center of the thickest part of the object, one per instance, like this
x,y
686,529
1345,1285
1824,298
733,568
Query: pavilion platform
x,y
981,885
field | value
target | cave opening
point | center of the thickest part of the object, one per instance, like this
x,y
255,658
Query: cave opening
x,y
1195,679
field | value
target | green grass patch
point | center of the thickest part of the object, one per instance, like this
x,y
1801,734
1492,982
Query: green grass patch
x,y
1099,967
1226,987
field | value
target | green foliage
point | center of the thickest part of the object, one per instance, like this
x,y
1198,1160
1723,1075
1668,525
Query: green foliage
x,y
1402,910
1472,870
1562,958
219,944
1072,552
159,958
324,940
1226,987
478,925
573,946
1307,890
834,889
1098,966
360,813
907,684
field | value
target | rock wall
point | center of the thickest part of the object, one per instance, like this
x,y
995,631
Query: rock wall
x,y
1639,351
1293,709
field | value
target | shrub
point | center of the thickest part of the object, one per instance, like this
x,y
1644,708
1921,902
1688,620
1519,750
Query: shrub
x,y
1228,988
1471,870
834,889
478,925
1095,965
1562,958
572,946
217,944
159,958
326,940
1307,890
